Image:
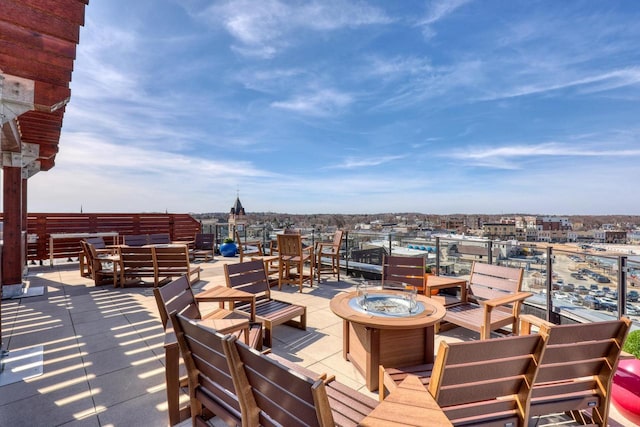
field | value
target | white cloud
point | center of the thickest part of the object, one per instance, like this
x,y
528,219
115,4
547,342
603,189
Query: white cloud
x,y
320,103
436,11
265,28
360,162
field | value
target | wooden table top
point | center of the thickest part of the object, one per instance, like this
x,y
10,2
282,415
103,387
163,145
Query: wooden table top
x,y
433,313
223,293
410,404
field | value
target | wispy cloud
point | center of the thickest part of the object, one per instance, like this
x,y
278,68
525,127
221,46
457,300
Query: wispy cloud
x,y
507,157
320,103
436,11
363,162
264,29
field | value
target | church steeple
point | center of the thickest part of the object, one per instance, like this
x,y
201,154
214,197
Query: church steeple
x,y
237,219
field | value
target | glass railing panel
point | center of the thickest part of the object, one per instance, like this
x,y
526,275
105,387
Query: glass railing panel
x,y
632,307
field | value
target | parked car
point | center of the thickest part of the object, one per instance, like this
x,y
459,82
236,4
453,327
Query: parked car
x,y
593,287
608,304
582,290
601,279
568,287
591,302
632,296
632,310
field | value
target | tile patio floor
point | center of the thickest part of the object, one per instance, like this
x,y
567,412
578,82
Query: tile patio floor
x,y
104,356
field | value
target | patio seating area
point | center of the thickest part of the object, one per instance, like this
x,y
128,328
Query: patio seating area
x,y
103,348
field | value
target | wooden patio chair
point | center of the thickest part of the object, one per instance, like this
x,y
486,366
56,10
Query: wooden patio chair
x,y
101,266
136,265
293,256
173,261
135,239
204,246
577,368
211,388
478,382
328,256
493,300
274,394
159,239
409,270
178,296
251,277
248,247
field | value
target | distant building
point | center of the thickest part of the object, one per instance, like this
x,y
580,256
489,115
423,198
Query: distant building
x,y
610,236
454,224
553,229
237,219
499,230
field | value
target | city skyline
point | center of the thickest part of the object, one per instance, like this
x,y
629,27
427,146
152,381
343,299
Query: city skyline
x,y
351,107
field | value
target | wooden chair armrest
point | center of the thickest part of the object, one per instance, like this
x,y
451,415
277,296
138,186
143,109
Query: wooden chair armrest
x,y
526,320
507,299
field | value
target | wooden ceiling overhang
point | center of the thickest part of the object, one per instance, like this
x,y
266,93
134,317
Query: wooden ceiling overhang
x,y
38,40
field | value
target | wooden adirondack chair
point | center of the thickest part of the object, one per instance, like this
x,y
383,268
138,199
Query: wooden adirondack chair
x,y
478,382
251,277
409,270
577,368
493,300
271,393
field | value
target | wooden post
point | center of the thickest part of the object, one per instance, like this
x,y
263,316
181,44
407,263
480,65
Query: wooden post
x,y
12,249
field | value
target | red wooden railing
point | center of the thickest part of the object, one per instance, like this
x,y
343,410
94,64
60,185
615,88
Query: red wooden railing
x,y
41,225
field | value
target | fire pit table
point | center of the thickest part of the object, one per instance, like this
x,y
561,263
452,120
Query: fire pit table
x,y
379,329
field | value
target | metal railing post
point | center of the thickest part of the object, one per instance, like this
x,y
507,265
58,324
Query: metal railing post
x,y
622,286
390,239
437,256
346,250
548,284
490,255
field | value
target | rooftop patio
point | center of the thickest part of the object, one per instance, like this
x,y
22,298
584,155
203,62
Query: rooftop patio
x,y
103,355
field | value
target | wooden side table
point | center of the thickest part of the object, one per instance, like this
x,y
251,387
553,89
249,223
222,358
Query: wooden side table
x,y
222,294
409,404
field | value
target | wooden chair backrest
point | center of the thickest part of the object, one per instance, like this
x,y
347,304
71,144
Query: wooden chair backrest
x,y
289,245
577,368
97,242
487,380
242,246
159,239
409,270
205,241
210,380
490,281
248,276
137,257
273,395
174,258
291,231
337,240
177,296
135,239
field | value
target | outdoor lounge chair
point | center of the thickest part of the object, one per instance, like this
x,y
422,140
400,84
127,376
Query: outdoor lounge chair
x,y
178,296
479,382
211,388
271,393
204,246
251,277
492,301
100,265
409,270
328,256
248,247
577,368
173,261
136,265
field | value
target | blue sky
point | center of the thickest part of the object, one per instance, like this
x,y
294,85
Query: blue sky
x,y
352,107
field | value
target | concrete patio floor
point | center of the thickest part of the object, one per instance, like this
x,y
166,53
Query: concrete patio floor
x,y
103,361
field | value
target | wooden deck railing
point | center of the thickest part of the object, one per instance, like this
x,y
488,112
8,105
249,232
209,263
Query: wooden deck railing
x,y
41,225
